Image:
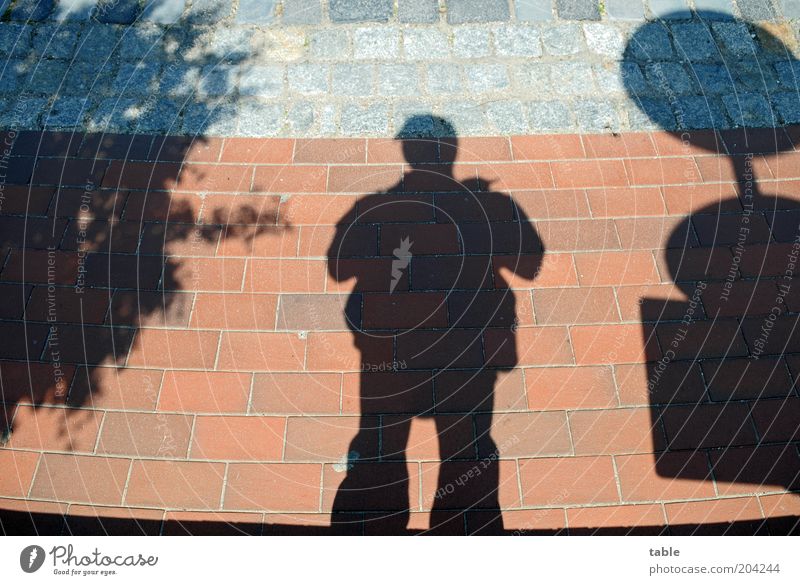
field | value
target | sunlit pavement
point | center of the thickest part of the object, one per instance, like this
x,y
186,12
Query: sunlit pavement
x,y
525,290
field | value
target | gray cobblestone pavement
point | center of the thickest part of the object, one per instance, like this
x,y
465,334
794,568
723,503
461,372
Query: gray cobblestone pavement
x,y
361,67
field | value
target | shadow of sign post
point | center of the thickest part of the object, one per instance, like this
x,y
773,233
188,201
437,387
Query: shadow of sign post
x,y
722,361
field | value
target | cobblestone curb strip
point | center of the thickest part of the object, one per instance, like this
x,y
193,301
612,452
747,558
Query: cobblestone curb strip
x,y
353,68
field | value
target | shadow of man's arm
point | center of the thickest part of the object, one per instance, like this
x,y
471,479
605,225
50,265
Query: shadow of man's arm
x,y
527,260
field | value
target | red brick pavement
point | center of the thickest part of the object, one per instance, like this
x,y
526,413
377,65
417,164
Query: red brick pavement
x,y
196,334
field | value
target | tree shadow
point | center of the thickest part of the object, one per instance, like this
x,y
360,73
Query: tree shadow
x,y
434,319
721,341
105,236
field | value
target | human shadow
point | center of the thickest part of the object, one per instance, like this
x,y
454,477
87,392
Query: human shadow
x,y
434,320
105,235
722,368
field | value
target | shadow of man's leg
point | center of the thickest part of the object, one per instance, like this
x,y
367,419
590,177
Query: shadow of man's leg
x,y
371,485
468,475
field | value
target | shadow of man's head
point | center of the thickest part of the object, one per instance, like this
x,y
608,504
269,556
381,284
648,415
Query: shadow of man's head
x,y
423,132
